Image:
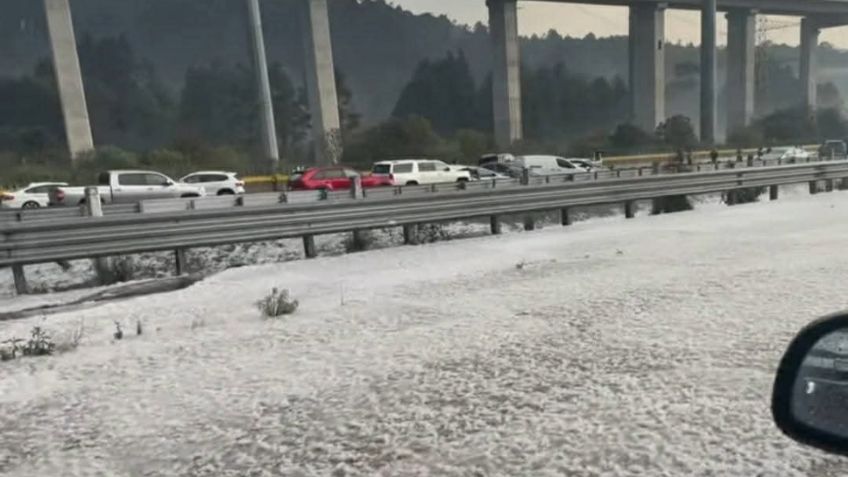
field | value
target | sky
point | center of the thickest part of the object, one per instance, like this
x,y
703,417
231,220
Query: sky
x,y
578,20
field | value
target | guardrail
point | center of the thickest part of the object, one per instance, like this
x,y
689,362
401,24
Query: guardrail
x,y
297,197
23,243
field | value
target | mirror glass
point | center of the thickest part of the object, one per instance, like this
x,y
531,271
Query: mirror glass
x,y
820,391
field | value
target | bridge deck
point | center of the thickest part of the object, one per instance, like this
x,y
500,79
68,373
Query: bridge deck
x,y
774,7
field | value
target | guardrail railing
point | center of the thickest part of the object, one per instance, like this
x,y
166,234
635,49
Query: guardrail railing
x,y
298,197
68,238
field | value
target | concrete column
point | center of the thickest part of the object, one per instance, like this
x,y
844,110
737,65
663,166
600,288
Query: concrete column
x,y
268,128
647,63
741,51
506,72
708,71
63,45
321,84
809,62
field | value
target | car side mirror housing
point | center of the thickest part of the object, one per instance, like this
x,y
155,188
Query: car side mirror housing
x,y
447,169
810,395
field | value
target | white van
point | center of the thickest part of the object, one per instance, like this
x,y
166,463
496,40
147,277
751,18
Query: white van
x,y
420,171
550,165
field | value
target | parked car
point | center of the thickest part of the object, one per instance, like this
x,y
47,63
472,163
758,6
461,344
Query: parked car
x,y
32,196
128,187
334,178
541,165
833,148
482,173
216,182
420,171
786,154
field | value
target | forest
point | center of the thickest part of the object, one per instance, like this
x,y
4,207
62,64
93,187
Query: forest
x,y
169,85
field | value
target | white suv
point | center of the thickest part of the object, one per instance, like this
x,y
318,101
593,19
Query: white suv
x,y
420,171
216,183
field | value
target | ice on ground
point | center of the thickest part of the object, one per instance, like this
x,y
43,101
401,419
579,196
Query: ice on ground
x,y
613,347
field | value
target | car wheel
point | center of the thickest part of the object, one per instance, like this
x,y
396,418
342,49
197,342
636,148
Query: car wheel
x,y
30,205
189,196
412,183
226,192
462,179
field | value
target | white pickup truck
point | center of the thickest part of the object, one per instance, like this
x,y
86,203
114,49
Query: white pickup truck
x,y
128,187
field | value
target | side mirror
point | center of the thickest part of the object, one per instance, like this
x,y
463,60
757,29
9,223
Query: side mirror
x,y
447,169
810,396
168,183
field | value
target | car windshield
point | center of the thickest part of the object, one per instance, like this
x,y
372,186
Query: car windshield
x,y
335,288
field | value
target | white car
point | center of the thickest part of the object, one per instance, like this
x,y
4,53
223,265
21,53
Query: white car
x,y
216,182
33,196
420,171
550,165
483,174
787,154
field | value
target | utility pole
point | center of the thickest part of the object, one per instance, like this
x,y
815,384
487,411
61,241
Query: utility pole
x,y
268,126
708,72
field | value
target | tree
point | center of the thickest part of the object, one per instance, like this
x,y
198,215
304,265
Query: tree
x,y
394,139
677,132
443,92
628,136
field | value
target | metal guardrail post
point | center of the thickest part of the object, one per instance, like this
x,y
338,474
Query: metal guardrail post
x,y
21,286
410,234
495,225
630,209
525,176
529,222
356,194
309,246
828,185
94,208
814,187
773,192
565,216
180,262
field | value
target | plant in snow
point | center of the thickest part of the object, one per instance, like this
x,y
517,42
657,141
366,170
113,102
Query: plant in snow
x,y
277,303
119,333
71,340
39,344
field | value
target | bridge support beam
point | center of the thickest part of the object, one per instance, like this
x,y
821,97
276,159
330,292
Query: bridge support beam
x,y
647,63
708,72
809,62
506,72
66,64
741,50
321,84
263,86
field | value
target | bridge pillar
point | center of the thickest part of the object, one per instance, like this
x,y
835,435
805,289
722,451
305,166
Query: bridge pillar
x,y
321,84
741,50
506,72
647,63
263,86
63,45
809,62
708,72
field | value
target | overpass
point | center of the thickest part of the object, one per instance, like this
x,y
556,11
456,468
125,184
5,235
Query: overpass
x,y
646,65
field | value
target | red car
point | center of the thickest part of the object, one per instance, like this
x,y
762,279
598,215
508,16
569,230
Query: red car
x,y
334,178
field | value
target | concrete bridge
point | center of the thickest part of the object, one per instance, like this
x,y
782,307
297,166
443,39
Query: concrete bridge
x,y
646,61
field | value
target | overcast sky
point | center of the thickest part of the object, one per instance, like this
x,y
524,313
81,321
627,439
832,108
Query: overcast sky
x,y
578,20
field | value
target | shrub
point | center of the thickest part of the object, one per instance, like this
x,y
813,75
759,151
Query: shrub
x,y
277,303
671,204
71,340
39,344
744,196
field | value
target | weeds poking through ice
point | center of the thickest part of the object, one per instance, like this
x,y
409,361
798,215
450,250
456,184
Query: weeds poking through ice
x,y
138,329
277,304
119,333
